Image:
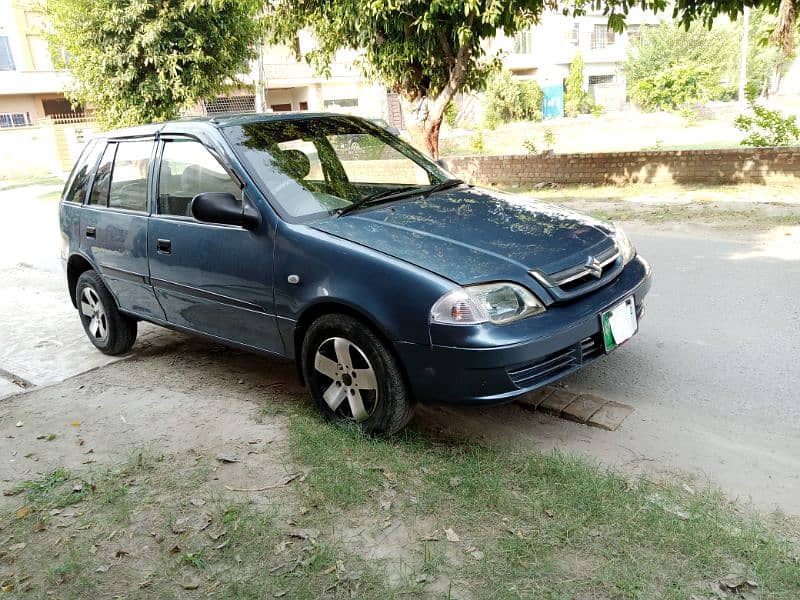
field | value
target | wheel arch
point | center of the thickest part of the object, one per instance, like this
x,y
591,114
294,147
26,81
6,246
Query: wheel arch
x,y
328,307
76,266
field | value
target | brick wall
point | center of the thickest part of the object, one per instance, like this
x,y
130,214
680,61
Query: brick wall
x,y
737,165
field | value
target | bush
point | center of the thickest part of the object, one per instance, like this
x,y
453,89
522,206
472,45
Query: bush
x,y
577,101
477,143
507,100
767,127
450,114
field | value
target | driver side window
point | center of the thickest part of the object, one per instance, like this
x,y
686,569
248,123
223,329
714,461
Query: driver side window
x,y
188,169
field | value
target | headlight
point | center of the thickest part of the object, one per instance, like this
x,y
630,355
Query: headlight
x,y
494,302
626,249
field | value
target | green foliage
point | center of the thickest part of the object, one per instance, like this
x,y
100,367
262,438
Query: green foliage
x,y
138,62
507,100
767,127
577,101
477,143
450,114
671,66
530,146
549,138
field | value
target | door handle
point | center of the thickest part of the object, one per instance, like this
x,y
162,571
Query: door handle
x,y
91,232
163,246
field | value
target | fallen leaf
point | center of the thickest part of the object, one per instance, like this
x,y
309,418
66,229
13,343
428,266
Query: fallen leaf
x,y
215,535
303,534
120,553
180,525
80,441
221,546
197,502
40,526
190,582
550,513
476,554
77,488
451,535
102,568
76,423
20,423
17,546
280,594
175,549
10,492
7,586
227,458
22,512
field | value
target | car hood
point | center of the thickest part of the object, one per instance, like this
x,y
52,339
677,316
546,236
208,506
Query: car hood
x,y
469,235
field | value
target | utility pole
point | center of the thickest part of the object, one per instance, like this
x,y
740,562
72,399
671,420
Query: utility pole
x,y
743,60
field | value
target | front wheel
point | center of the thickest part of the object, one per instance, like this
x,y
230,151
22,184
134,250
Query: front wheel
x,y
353,376
108,329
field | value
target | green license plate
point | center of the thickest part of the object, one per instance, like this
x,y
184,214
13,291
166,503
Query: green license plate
x,y
619,323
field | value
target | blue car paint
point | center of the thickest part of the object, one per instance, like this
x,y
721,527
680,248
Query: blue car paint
x,y
388,264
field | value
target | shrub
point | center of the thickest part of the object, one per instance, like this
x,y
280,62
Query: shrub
x,y
530,146
507,100
577,101
767,127
477,143
450,114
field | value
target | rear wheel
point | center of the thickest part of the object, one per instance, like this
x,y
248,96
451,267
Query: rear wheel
x,y
353,376
108,329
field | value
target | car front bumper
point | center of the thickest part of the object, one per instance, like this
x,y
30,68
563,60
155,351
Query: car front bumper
x,y
488,364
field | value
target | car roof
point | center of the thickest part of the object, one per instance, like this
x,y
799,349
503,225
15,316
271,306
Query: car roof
x,y
190,124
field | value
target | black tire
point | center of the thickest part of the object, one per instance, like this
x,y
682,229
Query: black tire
x,y
120,330
389,406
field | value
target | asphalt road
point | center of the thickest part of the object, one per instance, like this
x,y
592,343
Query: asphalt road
x,y
713,373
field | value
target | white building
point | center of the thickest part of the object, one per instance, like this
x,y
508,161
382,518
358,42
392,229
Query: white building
x,y
545,51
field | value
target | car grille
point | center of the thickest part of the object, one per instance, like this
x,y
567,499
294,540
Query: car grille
x,y
556,364
582,279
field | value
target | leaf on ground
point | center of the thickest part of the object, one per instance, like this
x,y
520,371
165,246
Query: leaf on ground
x,y
76,423
22,512
120,553
180,525
734,582
550,513
216,534
7,586
102,569
227,458
17,546
175,549
452,536
303,533
20,423
190,582
197,502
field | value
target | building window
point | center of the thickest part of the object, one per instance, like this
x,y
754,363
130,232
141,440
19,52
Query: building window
x,y
575,34
15,120
281,107
601,79
634,33
602,36
6,60
523,42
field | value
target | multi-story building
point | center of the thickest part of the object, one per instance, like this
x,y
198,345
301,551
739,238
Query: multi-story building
x,y
545,51
30,88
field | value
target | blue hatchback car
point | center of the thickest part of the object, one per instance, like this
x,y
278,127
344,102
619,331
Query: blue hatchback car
x,y
327,240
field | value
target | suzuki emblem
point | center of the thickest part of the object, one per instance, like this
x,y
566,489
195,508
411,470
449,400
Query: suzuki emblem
x,y
594,267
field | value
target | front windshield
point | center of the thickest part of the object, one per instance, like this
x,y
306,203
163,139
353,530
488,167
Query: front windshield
x,y
320,165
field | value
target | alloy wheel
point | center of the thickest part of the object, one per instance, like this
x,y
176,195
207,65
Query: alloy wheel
x,y
92,309
347,378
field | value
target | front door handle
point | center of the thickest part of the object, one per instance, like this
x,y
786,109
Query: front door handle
x,y
163,246
91,232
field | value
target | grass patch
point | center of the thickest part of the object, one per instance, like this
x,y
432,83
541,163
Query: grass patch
x,y
544,526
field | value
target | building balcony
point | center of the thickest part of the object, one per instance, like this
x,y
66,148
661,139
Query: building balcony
x,y
32,82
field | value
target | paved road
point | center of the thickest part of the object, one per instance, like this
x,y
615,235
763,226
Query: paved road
x,y
713,373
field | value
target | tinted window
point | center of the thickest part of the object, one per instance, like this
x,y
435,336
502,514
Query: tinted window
x,y
129,176
188,169
102,179
76,186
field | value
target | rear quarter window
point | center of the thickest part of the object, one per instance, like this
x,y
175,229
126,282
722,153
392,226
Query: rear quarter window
x,y
75,188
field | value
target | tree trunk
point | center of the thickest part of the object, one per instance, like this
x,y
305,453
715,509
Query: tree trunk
x,y
430,134
785,30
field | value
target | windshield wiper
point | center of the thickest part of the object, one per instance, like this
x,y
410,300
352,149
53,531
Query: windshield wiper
x,y
386,195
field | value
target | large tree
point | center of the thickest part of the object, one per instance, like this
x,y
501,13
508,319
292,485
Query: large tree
x,y
138,61
430,49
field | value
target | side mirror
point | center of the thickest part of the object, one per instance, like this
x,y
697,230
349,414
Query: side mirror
x,y
223,208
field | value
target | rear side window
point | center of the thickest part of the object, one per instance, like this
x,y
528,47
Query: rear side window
x,y
102,179
188,169
128,188
76,186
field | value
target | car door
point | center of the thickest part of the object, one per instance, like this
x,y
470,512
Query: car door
x,y
211,278
113,224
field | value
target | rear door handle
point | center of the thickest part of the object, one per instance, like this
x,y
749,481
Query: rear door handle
x,y
91,232
163,246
